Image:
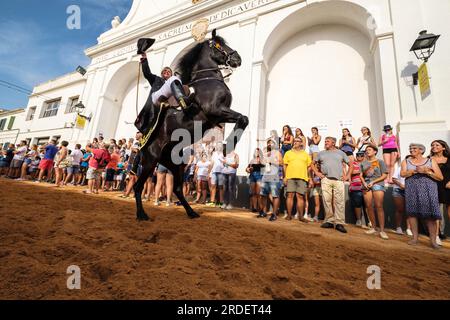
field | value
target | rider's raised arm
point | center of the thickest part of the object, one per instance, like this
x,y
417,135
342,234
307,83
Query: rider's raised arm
x,y
146,71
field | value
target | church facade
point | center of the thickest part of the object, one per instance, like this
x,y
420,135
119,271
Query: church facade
x,y
331,64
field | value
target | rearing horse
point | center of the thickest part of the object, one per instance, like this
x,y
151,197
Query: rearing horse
x,y
211,103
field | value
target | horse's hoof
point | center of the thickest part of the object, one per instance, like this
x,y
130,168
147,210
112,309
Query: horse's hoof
x,y
193,215
143,217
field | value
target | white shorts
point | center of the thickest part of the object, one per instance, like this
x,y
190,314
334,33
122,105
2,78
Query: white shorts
x,y
165,90
92,174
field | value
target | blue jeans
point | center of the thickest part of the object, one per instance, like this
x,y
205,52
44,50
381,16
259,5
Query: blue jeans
x,y
285,148
229,183
270,187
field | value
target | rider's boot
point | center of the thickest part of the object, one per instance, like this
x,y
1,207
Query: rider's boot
x,y
178,93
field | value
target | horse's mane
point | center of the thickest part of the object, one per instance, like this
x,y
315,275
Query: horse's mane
x,y
187,61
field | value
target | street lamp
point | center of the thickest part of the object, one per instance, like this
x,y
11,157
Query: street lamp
x,y
81,70
423,48
79,108
424,45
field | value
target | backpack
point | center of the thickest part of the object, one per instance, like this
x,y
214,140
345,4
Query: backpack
x,y
104,160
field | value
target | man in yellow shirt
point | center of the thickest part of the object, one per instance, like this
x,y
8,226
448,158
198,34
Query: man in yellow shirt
x,y
296,168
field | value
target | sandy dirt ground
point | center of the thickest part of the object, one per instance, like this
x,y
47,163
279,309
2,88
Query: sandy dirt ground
x,y
222,255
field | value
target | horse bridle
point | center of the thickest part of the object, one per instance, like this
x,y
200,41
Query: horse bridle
x,y
218,47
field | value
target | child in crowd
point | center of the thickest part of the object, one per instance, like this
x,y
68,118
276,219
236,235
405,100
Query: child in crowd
x,y
316,194
398,193
33,168
355,189
118,175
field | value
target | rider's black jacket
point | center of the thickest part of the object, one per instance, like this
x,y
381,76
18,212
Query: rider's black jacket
x,y
144,120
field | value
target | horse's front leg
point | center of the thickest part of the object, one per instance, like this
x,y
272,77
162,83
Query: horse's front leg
x,y
241,121
148,166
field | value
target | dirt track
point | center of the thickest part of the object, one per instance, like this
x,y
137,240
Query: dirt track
x,y
222,255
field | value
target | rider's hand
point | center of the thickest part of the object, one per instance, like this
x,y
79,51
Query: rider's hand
x,y
144,55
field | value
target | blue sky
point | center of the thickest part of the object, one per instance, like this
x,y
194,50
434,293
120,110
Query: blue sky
x,y
36,45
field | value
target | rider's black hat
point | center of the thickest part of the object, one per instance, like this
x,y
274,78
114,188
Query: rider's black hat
x,y
144,44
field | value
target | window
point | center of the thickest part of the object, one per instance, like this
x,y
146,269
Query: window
x,y
2,124
71,104
11,122
51,108
41,141
56,138
31,113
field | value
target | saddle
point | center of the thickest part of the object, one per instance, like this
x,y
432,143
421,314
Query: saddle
x,y
172,102
163,104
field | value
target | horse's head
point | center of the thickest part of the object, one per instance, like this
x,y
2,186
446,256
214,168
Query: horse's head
x,y
222,53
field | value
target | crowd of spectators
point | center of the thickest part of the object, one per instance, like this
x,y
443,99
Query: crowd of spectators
x,y
289,171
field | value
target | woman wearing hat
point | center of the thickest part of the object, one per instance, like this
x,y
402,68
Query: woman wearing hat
x,y
421,191
389,142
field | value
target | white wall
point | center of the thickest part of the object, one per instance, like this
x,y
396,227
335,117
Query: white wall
x,y
125,125
64,88
426,119
320,76
11,135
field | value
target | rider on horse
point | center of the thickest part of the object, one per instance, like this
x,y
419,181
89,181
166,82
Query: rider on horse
x,y
200,67
163,87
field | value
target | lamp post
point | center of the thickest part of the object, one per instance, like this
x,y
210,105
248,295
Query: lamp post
x,y
424,45
79,108
81,70
423,48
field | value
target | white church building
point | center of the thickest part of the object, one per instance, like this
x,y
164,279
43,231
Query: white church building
x,y
324,63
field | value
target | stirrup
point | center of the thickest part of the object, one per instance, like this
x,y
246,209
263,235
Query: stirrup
x,y
182,103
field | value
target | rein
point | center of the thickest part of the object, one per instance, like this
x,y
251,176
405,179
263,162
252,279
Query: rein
x,y
204,79
210,78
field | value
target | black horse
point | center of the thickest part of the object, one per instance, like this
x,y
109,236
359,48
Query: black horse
x,y
210,107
